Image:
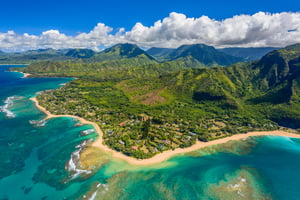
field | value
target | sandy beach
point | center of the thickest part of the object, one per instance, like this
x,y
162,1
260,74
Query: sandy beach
x,y
166,154
26,75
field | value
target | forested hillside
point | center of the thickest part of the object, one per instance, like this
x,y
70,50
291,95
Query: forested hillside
x,y
248,54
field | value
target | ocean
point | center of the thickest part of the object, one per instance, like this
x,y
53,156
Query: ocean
x,y
40,159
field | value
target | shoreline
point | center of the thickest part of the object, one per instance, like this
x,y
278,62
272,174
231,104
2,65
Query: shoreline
x,y
165,155
25,75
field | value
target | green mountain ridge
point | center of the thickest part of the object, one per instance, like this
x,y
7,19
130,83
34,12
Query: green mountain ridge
x,y
272,81
34,56
206,55
80,53
120,51
280,65
248,54
159,53
117,52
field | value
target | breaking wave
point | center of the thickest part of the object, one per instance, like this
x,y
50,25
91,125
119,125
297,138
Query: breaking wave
x,y
5,108
74,164
238,186
93,196
38,123
87,132
101,189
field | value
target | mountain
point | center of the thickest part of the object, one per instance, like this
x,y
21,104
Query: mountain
x,y
268,88
117,52
248,54
2,53
207,55
33,56
80,53
48,51
278,76
159,53
121,51
279,66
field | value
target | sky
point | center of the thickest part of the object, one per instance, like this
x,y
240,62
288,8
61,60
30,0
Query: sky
x,y
33,24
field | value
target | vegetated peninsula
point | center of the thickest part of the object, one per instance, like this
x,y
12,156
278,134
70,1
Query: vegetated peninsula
x,y
145,107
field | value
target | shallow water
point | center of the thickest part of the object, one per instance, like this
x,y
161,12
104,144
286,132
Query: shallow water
x,y
40,160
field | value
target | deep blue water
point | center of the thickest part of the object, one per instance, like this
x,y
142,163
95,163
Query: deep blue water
x,y
36,160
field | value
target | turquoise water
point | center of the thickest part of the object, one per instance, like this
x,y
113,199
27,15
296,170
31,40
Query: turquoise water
x,y
39,160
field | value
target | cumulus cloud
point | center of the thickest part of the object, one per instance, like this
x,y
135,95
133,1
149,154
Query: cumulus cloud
x,y
260,29
11,41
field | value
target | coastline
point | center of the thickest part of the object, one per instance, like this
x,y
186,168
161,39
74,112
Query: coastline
x,y
26,75
169,153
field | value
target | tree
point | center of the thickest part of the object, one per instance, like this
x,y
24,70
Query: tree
x,y
146,128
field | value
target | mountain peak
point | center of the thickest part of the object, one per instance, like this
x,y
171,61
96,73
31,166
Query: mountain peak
x,y
294,47
280,65
80,53
123,50
159,52
205,54
248,53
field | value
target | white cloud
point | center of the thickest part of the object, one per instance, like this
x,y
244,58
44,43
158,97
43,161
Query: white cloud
x,y
260,29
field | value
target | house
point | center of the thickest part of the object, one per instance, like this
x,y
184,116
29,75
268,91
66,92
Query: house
x,y
188,137
121,124
166,141
122,142
134,148
192,133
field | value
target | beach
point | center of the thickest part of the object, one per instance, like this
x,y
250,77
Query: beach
x,y
26,75
169,153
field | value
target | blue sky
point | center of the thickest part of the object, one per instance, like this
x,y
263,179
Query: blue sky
x,y
71,17
32,24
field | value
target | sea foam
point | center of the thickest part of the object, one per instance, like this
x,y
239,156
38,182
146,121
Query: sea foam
x,y
74,163
87,132
101,189
5,108
38,123
93,196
